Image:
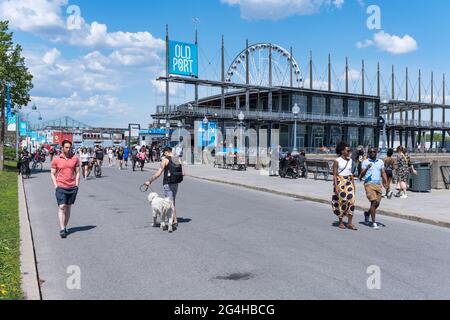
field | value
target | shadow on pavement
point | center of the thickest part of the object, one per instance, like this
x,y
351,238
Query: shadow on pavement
x,y
184,220
81,229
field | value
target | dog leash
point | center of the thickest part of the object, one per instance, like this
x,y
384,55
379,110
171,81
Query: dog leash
x,y
144,188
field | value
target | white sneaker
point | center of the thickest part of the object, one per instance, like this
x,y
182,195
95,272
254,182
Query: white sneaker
x,y
375,226
403,196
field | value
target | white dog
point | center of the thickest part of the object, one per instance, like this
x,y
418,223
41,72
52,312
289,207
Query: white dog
x,y
162,207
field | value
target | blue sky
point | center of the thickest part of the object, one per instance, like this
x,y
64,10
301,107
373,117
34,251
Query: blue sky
x,y
105,78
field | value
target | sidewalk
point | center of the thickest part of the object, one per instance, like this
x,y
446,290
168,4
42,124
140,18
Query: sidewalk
x,y
431,208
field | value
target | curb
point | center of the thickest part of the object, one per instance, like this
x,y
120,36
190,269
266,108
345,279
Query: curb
x,y
28,265
382,212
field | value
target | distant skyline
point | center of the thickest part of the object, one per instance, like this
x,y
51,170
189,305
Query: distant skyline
x,y
101,68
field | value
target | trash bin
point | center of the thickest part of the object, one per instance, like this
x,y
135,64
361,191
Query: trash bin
x,y
422,181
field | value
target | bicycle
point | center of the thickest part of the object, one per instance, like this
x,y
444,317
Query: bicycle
x,y
25,168
37,165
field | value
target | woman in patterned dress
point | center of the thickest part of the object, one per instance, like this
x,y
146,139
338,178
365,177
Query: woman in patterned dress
x,y
404,167
344,187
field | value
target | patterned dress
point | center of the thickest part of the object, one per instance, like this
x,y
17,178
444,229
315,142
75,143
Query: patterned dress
x,y
343,204
403,166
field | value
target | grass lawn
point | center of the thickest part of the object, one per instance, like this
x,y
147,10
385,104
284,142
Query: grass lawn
x,y
10,277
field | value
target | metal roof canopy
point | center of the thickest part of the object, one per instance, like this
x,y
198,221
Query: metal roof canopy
x,y
224,84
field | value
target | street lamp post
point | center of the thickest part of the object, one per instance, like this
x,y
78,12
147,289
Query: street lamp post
x,y
295,111
384,108
241,118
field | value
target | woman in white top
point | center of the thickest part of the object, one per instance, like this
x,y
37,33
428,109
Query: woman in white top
x,y
84,159
344,186
110,156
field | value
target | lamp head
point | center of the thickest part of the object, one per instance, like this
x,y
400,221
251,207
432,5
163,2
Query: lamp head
x,y
205,120
241,116
296,109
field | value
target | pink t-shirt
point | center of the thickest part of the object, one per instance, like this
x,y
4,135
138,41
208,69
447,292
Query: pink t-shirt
x,y
65,170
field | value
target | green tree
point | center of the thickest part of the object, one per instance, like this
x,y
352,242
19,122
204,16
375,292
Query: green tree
x,y
14,72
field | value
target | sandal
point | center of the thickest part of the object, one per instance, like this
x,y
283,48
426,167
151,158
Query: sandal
x,y
342,226
352,227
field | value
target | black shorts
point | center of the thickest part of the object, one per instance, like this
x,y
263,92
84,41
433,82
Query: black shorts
x,y
66,196
389,174
84,164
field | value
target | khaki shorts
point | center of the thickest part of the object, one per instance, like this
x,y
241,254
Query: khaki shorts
x,y
373,192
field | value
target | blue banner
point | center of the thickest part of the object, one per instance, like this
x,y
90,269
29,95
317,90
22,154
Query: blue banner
x,y
33,136
11,122
23,129
8,100
183,59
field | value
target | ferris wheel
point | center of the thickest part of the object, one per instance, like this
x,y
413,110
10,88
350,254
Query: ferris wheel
x,y
259,66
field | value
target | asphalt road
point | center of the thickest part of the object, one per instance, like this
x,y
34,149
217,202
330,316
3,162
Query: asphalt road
x,y
231,244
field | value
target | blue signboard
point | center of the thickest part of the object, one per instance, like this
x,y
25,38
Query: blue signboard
x,y
155,131
23,129
183,59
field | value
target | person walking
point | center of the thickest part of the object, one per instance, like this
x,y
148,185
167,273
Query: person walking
x,y
134,157
389,167
173,175
110,156
120,155
404,167
65,174
141,158
374,174
126,153
344,187
84,158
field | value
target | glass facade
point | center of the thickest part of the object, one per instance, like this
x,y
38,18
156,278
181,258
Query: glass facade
x,y
318,105
353,137
335,136
369,109
301,101
317,136
369,137
301,133
353,108
337,107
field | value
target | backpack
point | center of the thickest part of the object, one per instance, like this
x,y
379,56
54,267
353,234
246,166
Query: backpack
x,y
175,172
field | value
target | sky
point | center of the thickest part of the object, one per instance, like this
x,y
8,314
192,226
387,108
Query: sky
x,y
97,60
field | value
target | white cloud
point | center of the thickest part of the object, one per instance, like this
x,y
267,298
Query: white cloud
x,y
45,18
42,16
279,9
51,56
391,43
353,75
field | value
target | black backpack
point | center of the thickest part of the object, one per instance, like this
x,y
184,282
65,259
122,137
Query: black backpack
x,y
175,172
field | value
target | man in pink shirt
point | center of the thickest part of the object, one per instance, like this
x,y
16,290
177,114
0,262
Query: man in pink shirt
x,y
66,179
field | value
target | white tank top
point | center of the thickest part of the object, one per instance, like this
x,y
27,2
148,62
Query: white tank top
x,y
344,168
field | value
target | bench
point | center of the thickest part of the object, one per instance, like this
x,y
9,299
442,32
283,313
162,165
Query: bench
x,y
446,176
319,167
